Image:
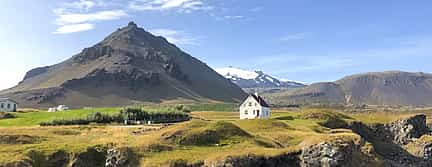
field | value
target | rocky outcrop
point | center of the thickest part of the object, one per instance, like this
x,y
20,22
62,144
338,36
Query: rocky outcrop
x,y
18,164
399,132
407,130
91,158
251,160
36,72
129,77
327,154
120,158
427,152
391,140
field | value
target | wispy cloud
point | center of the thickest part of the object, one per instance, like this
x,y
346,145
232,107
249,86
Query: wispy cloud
x,y
233,17
74,18
182,5
80,14
295,36
74,28
175,36
77,16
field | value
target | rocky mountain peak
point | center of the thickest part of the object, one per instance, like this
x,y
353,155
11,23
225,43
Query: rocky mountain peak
x,y
129,65
132,24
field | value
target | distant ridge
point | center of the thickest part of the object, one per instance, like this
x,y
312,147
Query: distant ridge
x,y
376,88
129,66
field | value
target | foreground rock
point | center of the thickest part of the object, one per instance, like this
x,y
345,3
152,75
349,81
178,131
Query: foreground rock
x,y
393,140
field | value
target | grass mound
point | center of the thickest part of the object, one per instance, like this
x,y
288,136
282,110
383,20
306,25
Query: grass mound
x,y
318,114
202,133
66,132
326,118
19,139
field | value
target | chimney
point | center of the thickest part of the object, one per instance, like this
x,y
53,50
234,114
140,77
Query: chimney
x,y
256,94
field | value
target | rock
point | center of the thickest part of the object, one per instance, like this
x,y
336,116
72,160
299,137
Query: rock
x,y
18,164
400,132
427,152
407,130
327,154
251,160
91,158
118,158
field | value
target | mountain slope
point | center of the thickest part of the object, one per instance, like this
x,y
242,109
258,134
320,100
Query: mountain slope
x,y
379,88
257,79
130,65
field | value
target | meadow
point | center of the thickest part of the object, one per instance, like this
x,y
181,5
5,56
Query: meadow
x,y
214,133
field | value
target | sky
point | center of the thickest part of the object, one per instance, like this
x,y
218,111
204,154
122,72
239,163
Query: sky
x,y
303,40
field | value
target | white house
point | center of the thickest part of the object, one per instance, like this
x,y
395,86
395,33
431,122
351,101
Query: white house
x,y
254,107
7,105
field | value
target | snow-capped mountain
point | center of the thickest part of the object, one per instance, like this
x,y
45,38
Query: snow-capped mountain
x,y
256,79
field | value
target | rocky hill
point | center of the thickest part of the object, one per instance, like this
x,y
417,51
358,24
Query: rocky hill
x,y
129,66
379,88
255,79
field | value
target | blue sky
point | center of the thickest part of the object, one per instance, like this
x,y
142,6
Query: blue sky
x,y
305,40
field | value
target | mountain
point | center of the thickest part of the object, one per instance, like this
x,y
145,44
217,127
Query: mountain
x,y
257,79
379,88
129,66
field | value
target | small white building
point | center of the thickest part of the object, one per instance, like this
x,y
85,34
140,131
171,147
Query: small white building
x,y
8,105
58,108
254,107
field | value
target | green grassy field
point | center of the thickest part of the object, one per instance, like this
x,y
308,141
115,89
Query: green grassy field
x,y
34,118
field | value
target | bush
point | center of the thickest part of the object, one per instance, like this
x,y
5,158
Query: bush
x,y
182,108
128,114
138,114
66,122
5,115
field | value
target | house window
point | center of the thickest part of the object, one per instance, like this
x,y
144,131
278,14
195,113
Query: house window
x,y
255,104
250,104
8,106
2,105
246,112
253,112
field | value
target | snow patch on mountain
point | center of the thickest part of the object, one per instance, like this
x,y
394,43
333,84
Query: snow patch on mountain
x,y
230,72
256,79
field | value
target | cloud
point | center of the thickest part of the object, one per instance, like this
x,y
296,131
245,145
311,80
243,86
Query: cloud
x,y
82,4
182,5
74,28
233,17
81,15
174,36
296,36
74,18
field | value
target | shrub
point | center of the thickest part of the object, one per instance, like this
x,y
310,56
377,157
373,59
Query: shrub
x,y
66,122
5,115
129,114
182,108
138,114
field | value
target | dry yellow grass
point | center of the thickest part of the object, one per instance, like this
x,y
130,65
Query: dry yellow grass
x,y
286,131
